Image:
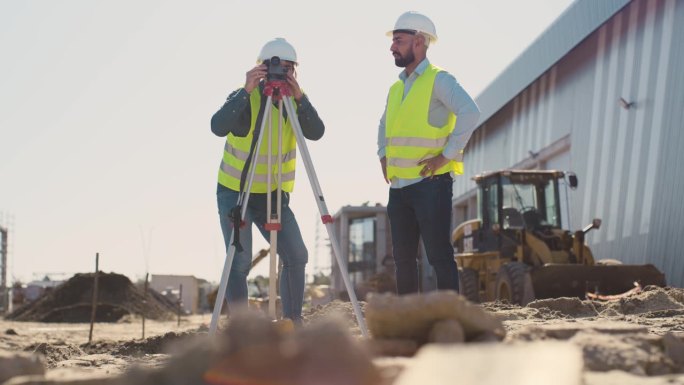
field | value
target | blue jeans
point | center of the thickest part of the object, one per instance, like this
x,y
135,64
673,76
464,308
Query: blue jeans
x,y
423,210
290,248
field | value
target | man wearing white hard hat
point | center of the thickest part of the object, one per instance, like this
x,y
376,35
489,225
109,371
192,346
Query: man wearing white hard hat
x,y
237,120
426,125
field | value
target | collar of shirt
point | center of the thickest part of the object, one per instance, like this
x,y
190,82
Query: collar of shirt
x,y
417,72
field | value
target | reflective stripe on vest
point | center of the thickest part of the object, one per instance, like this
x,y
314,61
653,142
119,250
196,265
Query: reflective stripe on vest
x,y
258,178
410,136
242,155
236,151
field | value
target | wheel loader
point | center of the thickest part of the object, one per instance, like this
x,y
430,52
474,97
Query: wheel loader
x,y
517,251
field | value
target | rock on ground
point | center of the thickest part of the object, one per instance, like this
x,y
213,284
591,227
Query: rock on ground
x,y
414,316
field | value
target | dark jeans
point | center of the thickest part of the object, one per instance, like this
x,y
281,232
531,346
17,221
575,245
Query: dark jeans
x,y
423,210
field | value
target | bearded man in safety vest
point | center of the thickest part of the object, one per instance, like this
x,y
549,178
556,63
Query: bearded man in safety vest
x,y
236,120
426,125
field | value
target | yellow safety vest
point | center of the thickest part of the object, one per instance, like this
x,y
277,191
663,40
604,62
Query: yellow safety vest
x,y
236,151
410,136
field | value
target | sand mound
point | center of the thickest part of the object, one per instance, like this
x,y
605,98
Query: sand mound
x,y
137,348
573,307
342,310
676,293
652,299
55,353
72,301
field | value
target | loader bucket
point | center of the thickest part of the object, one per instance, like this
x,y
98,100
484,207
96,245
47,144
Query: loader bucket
x,y
559,280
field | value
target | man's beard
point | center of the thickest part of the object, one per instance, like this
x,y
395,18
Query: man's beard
x,y
403,61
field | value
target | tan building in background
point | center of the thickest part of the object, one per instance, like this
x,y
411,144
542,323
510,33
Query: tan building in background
x,y
170,286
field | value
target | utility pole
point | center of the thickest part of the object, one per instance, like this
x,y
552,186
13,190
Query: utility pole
x,y
3,269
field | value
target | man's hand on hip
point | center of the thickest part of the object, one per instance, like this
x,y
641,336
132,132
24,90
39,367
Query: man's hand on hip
x,y
430,165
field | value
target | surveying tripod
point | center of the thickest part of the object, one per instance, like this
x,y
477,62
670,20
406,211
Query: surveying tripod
x,y
279,91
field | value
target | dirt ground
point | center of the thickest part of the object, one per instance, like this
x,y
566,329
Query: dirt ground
x,y
114,348
634,340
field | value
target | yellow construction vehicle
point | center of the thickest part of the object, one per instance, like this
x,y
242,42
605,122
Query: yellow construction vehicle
x,y
518,251
254,290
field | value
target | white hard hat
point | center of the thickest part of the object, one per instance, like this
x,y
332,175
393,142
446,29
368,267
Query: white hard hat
x,y
414,21
277,47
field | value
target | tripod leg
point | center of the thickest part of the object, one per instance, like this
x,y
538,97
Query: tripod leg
x,y
273,238
273,272
323,209
273,276
243,200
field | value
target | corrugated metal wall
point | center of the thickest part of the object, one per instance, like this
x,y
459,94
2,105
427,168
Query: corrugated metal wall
x,y
628,160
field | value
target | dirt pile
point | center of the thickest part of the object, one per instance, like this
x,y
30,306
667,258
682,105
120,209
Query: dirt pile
x,y
343,311
55,353
72,301
138,348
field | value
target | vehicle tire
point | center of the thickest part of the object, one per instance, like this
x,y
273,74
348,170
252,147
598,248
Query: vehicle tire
x,y
513,285
469,284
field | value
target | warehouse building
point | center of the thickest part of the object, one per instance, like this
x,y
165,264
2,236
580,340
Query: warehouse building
x,y
600,93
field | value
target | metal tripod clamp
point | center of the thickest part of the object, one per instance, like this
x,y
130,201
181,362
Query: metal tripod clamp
x,y
273,226
277,89
327,219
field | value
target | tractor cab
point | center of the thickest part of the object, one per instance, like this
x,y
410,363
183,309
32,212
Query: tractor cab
x,y
516,200
521,199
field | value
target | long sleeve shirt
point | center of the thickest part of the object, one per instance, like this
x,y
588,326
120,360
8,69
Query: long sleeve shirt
x,y
447,96
235,116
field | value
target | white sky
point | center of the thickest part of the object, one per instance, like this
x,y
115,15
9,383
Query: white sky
x,y
105,144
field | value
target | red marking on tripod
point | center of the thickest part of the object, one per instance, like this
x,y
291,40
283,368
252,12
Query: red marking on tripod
x,y
242,224
327,219
273,226
277,89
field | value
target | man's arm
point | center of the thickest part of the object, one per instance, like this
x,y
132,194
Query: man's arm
x,y
234,116
382,143
312,125
454,97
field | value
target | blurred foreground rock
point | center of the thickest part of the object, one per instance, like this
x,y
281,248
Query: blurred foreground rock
x,y
439,317
17,364
610,345
255,350
541,363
